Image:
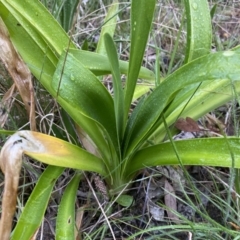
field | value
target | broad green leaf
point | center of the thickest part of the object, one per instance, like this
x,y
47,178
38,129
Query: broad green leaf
x,y
218,66
141,21
201,151
100,65
199,29
117,84
109,26
33,212
65,224
84,92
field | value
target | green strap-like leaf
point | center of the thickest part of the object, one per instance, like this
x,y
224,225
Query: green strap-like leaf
x,y
199,29
141,21
109,27
218,66
206,152
209,96
100,65
33,213
65,224
117,84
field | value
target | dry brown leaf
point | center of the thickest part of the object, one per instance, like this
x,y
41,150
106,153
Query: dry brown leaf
x,y
19,72
11,163
79,218
170,201
234,226
187,125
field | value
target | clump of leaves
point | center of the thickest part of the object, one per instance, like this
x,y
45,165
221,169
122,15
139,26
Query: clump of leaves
x,y
117,144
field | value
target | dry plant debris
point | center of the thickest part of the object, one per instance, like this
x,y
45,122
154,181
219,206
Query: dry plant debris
x,y
21,76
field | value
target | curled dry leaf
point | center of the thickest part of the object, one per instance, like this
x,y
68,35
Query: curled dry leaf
x,y
10,163
19,72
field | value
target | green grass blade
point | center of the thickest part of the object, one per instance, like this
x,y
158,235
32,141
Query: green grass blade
x,y
109,27
141,21
33,213
56,8
117,84
219,66
65,224
202,151
199,30
213,10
